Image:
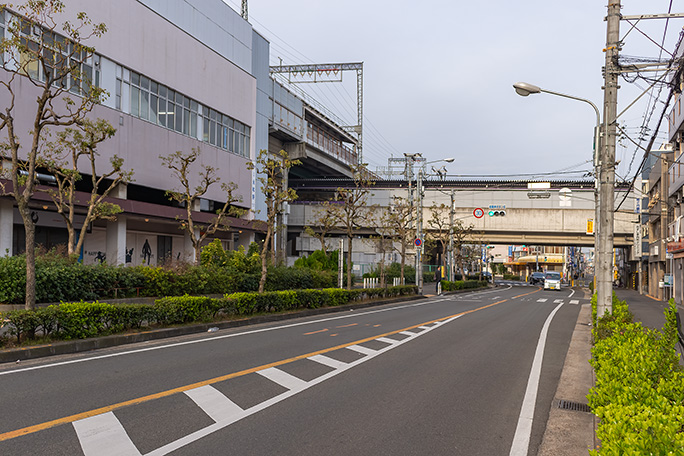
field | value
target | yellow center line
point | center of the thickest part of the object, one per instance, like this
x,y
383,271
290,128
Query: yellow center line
x,y
525,294
316,332
181,389
346,326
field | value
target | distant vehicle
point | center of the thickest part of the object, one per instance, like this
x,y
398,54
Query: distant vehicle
x,y
487,276
552,281
537,278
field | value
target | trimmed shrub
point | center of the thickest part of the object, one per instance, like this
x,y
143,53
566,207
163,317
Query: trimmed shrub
x,y
639,390
185,309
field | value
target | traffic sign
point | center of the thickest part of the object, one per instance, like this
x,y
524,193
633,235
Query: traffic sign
x,y
478,213
418,242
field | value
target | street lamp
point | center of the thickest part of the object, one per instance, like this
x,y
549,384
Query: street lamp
x,y
524,89
419,222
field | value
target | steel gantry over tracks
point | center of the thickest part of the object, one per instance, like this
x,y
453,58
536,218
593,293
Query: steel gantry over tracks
x,y
322,72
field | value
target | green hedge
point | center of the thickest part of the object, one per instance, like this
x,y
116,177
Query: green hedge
x,y
88,319
639,390
66,280
462,284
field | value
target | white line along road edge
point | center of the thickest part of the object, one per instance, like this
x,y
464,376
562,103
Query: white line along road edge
x,y
523,430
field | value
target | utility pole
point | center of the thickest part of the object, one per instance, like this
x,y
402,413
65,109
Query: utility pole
x,y
606,163
451,236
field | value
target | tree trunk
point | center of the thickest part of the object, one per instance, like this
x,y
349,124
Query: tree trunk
x,y
349,263
30,245
264,261
403,261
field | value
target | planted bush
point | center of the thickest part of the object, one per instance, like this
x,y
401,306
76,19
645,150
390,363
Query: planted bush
x,y
639,390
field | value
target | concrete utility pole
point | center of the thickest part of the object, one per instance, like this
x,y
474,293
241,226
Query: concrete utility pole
x,y
606,163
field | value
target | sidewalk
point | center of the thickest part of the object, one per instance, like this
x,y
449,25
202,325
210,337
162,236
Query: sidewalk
x,y
571,432
647,310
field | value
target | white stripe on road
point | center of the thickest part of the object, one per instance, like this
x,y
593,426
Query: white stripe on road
x,y
542,300
283,378
523,430
188,439
103,435
408,333
387,340
574,301
362,350
327,361
214,403
573,292
351,314
557,301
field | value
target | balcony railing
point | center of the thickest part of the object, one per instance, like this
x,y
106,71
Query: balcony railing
x,y
327,143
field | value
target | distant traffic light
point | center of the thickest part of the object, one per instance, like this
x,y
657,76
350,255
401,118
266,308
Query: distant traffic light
x,y
497,213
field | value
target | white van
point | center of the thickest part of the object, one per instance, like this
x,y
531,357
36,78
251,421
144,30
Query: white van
x,y
552,281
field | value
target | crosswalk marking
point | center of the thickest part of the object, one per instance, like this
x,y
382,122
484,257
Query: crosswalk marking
x,y
327,361
557,301
214,403
283,378
362,350
574,301
103,435
542,300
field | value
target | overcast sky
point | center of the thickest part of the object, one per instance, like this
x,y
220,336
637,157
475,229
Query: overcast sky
x,y
438,75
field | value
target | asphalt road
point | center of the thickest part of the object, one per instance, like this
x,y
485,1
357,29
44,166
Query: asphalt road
x,y
443,375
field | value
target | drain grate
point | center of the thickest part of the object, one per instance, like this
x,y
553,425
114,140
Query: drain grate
x,y
570,405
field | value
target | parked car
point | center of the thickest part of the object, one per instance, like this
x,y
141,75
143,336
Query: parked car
x,y
552,281
537,278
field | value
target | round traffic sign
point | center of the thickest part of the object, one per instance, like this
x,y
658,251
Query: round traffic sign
x,y
478,213
418,242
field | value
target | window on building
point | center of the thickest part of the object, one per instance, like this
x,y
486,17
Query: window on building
x,y
163,106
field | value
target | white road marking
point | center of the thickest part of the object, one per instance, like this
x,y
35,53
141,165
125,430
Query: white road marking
x,y
225,336
542,300
327,361
214,403
423,327
574,301
557,301
388,340
523,430
197,435
283,378
573,292
362,350
408,333
103,435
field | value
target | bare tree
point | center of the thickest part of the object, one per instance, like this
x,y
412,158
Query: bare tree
x,y
461,233
271,169
351,211
62,158
53,62
440,228
400,219
322,225
180,165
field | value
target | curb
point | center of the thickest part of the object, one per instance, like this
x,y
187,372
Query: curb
x,y
570,431
95,343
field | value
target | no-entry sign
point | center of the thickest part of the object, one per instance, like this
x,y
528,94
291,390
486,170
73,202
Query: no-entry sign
x,y
478,213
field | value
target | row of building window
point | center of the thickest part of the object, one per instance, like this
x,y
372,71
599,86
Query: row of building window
x,y
66,64
149,100
163,106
